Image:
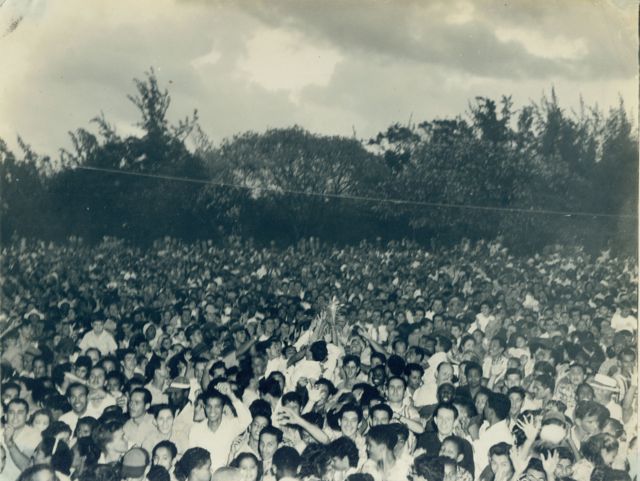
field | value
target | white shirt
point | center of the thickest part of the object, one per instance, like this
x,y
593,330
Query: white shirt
x,y
489,436
105,343
619,323
218,443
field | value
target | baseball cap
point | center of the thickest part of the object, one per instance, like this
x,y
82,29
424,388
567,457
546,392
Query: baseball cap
x,y
134,463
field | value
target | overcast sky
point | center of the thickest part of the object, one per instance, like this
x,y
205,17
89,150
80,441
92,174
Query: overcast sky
x,y
330,66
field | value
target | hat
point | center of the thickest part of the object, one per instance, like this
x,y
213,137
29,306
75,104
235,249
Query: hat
x,y
179,383
158,473
134,463
606,383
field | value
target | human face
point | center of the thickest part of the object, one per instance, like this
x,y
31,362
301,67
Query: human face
x,y
589,425
203,473
213,410
39,368
500,464
257,425
445,421
450,450
576,375
248,469
258,365
480,402
513,380
17,415
98,327
96,378
268,445
415,379
41,422
83,430
375,451
395,391
78,400
163,458
377,377
379,417
564,469
129,361
164,421
349,423
113,385
136,405
495,349
351,370
474,378
445,374
119,443
516,404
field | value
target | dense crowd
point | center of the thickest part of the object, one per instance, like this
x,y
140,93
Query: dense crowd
x,y
376,362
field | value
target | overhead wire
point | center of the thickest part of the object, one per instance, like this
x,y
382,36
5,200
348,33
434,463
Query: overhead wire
x,y
361,198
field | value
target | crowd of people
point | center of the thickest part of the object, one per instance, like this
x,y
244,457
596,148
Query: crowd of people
x,y
376,362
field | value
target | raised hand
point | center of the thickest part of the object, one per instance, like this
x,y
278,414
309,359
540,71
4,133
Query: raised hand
x,y
550,463
530,427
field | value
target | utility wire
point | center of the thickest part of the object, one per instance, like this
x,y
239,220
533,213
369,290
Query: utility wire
x,y
359,197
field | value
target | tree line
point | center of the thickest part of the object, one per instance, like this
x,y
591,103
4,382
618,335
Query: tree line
x,y
492,171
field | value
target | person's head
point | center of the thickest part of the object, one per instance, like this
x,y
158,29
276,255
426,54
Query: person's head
x,y
214,403
344,453
453,448
414,373
194,465
380,414
444,373
445,392
584,392
139,402
97,325
473,374
516,397
249,465
513,378
38,472
260,421
577,374
500,460
497,346
396,387
534,471
109,437
178,394
17,413
269,441
428,468
39,367
590,417
97,378
381,440
85,426
351,366
164,418
349,419
566,459
542,387
164,454
41,420
600,449
480,399
497,407
286,461
444,417
134,464
378,375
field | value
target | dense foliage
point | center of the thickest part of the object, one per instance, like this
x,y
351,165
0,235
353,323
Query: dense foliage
x,y
496,171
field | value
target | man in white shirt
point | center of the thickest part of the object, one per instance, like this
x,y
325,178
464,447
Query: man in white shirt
x,y
19,439
140,425
77,397
494,430
99,339
217,432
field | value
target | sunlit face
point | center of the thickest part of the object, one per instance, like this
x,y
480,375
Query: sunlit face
x,y
164,421
267,446
589,425
39,368
351,370
213,409
473,378
445,421
500,464
415,379
576,375
98,327
480,402
119,443
17,415
564,469
395,391
444,374
349,423
248,469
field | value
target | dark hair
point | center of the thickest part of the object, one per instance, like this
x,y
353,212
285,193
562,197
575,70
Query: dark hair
x,y
351,407
260,407
383,434
315,461
270,386
500,404
470,366
29,473
287,460
592,447
319,351
168,445
546,381
429,467
411,367
592,408
351,358
242,456
272,430
396,365
291,397
144,391
344,446
500,449
448,406
517,390
381,407
330,386
193,458
379,355
75,385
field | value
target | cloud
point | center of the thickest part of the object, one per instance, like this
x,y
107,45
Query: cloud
x,y
332,67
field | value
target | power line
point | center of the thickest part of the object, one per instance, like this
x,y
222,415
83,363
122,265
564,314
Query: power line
x,y
360,197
